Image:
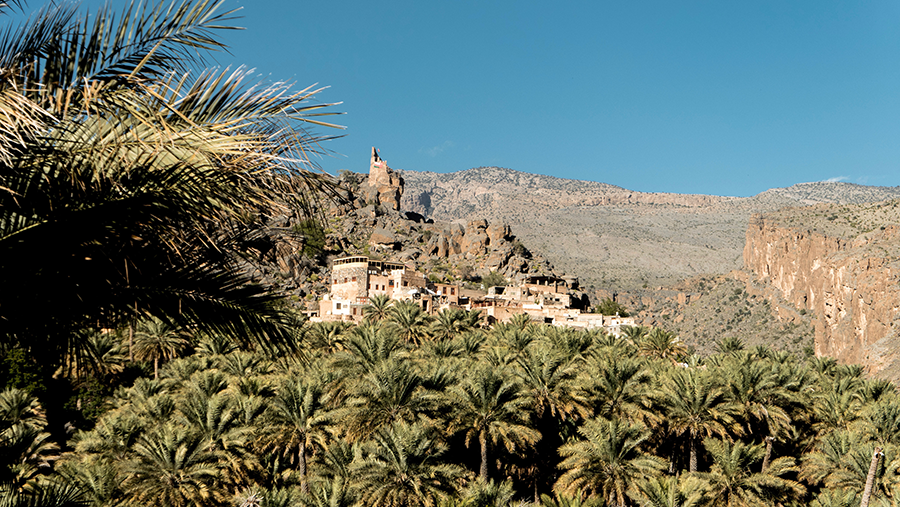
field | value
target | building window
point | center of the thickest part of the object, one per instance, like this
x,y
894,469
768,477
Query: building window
x,y
370,286
345,280
337,306
391,283
444,290
353,279
354,311
404,283
452,291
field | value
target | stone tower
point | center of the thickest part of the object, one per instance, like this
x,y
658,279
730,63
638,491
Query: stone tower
x,y
385,186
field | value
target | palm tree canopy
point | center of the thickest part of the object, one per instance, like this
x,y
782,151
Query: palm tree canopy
x,y
123,175
607,460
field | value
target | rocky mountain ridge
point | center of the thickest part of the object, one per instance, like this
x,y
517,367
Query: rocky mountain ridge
x,y
612,238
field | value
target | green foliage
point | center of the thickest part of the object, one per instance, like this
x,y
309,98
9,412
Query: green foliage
x,y
467,416
493,279
610,307
519,249
19,370
313,236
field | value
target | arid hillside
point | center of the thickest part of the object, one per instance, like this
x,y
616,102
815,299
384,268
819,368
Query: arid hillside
x,y
612,238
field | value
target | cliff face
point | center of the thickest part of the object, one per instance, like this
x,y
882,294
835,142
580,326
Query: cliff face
x,y
845,276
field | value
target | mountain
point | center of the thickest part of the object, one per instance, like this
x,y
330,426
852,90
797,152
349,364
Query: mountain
x,y
612,238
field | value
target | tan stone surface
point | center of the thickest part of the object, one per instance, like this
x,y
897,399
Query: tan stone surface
x,y
849,281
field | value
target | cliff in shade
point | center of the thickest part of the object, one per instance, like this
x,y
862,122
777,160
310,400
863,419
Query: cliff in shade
x,y
839,265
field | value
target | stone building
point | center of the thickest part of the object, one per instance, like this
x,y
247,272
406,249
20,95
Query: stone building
x,y
356,279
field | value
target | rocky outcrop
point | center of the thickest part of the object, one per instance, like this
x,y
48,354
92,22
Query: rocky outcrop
x,y
846,278
457,249
384,186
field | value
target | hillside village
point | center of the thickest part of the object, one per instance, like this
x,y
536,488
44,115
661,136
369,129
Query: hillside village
x,y
539,293
545,299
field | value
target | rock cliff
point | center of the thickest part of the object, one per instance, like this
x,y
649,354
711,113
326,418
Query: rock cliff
x,y
841,264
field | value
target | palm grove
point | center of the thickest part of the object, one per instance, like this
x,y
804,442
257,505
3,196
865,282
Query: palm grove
x,y
140,366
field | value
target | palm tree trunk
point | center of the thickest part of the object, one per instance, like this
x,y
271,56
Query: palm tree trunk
x,y
304,482
482,439
768,457
870,478
693,463
131,342
156,368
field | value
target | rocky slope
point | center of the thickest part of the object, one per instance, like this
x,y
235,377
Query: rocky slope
x,y
841,265
610,237
362,215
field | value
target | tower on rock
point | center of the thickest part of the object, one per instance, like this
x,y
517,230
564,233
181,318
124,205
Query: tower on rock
x,y
386,185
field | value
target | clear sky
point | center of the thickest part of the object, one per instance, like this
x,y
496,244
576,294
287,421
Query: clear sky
x,y
727,98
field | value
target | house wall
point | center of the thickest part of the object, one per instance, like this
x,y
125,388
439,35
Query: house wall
x,y
350,281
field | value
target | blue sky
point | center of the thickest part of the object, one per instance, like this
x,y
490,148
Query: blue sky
x,y
728,98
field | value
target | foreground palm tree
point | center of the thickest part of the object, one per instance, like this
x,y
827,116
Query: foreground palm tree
x,y
126,181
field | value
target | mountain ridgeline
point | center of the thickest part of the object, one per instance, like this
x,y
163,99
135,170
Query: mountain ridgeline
x,y
610,237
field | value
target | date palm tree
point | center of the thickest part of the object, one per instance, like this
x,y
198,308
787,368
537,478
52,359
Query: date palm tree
x,y
156,339
377,309
662,344
667,492
695,407
127,181
732,483
842,460
490,408
25,448
391,392
761,398
606,460
616,387
401,466
550,382
170,467
298,418
449,323
410,320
